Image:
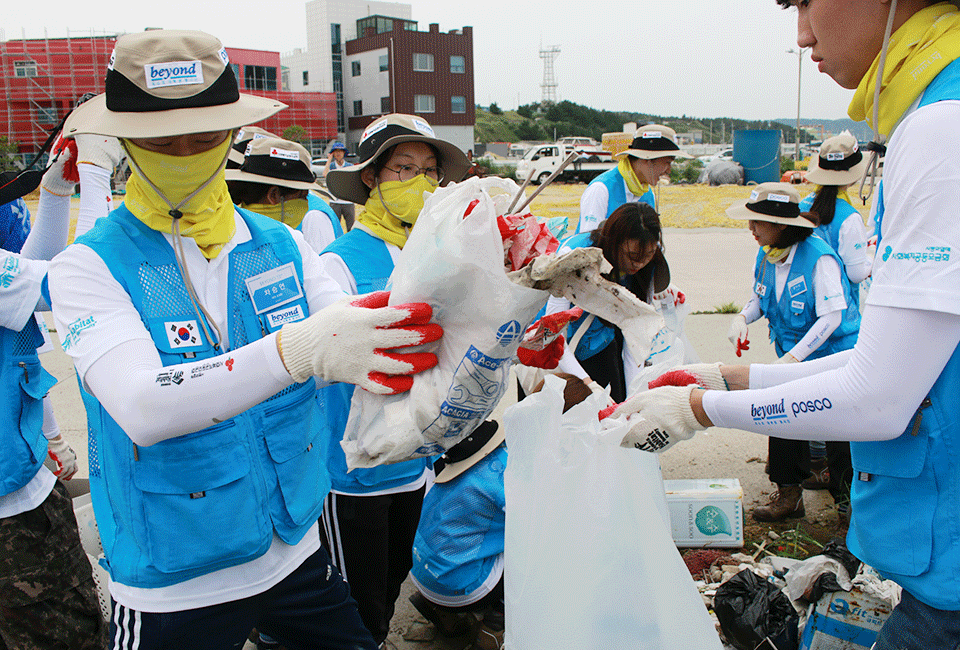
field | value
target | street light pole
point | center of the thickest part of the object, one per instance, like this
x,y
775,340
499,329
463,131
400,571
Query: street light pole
x,y
799,78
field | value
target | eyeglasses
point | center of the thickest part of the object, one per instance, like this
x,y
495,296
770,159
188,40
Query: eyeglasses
x,y
409,172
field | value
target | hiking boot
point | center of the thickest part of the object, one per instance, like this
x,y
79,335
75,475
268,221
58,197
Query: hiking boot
x,y
785,503
821,476
448,623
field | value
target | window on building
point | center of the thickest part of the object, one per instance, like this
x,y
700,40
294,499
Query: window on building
x,y
384,63
458,104
424,104
422,62
458,64
24,68
336,66
45,114
385,105
236,70
357,107
355,68
306,77
259,77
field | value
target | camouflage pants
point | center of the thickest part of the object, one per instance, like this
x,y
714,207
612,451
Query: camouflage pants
x,y
47,596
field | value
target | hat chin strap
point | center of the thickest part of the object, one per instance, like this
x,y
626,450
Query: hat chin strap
x,y
877,146
178,253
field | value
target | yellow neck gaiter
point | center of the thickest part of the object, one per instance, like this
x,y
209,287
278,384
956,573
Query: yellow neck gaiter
x,y
630,177
207,217
917,52
776,254
391,216
288,211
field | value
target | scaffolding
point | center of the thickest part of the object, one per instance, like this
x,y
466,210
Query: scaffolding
x,y
41,79
549,85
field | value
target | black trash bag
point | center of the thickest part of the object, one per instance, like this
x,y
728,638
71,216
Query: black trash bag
x,y
837,550
825,583
755,615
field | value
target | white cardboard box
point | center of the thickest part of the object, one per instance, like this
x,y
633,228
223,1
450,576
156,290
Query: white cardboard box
x,y
706,512
844,621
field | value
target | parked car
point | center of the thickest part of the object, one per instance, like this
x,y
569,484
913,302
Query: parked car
x,y
318,165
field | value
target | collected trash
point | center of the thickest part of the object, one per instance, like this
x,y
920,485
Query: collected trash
x,y
755,614
705,512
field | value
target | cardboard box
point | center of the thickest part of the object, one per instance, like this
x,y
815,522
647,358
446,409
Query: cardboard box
x,y
844,620
706,512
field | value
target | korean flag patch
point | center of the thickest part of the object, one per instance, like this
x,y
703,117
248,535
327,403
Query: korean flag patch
x,y
183,334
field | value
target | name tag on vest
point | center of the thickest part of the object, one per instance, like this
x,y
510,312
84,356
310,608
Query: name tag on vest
x,y
274,288
797,286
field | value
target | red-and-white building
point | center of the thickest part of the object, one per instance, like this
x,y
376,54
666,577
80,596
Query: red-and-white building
x,y
40,80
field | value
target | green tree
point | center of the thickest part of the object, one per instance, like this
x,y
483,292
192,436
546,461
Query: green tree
x,y
298,134
495,110
7,151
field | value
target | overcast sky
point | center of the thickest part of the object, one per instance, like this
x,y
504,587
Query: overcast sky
x,y
703,58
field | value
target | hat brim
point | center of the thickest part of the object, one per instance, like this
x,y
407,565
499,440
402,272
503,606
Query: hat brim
x,y
93,116
453,470
836,177
646,154
237,175
346,183
740,212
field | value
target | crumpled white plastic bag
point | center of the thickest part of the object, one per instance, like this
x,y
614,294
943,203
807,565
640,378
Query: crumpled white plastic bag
x,y
455,264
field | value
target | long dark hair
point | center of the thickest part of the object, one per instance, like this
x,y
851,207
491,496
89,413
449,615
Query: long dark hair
x,y
825,204
629,221
794,234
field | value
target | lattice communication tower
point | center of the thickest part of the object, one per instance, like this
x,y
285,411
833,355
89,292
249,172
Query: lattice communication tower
x,y
549,85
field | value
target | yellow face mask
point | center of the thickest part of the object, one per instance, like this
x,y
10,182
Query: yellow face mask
x,y
636,187
393,208
288,211
207,217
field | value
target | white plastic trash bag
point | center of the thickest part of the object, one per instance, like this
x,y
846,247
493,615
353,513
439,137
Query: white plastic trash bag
x,y
456,264
589,559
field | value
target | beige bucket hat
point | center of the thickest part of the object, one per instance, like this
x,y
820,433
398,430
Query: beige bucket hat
x,y
163,83
384,133
244,136
469,451
839,162
773,202
273,161
654,141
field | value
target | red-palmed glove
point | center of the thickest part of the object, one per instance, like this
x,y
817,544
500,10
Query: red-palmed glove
x,y
62,176
543,342
738,333
705,375
64,457
355,340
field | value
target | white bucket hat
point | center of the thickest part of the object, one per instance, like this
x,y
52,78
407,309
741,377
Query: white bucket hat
x,y
773,202
654,141
163,83
839,162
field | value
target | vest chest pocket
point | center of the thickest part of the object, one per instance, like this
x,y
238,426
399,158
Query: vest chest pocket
x,y
199,501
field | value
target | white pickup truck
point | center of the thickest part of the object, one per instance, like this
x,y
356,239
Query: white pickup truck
x,y
546,158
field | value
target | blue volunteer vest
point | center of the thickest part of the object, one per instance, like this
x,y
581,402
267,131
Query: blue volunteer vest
x,y
369,261
906,492
23,382
460,535
830,232
213,498
791,316
612,179
314,202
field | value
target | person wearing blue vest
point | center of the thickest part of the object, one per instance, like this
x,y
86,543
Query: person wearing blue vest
x,y
199,332
807,300
638,171
371,515
894,395
275,180
336,159
47,594
838,164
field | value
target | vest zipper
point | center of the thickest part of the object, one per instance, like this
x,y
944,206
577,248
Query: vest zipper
x,y
916,422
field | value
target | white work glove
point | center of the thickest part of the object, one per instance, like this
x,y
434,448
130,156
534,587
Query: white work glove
x,y
597,389
787,358
737,334
64,457
100,150
705,375
351,341
659,418
61,176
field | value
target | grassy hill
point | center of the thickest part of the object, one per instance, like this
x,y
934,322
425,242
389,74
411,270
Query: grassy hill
x,y
536,122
